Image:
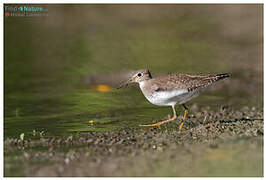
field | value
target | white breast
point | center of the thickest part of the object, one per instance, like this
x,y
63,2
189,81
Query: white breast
x,y
166,98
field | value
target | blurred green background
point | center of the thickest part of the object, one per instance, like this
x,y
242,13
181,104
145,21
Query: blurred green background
x,y
51,62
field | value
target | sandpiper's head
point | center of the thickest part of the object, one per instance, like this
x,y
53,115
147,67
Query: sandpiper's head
x,y
138,76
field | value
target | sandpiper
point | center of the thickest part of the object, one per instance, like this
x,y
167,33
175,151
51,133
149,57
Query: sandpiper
x,y
172,89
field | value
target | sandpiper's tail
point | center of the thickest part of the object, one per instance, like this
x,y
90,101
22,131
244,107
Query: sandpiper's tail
x,y
222,76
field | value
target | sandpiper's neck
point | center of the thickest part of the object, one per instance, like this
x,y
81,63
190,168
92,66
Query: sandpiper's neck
x,y
141,84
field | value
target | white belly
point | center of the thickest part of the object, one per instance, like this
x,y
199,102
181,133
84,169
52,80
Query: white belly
x,y
167,98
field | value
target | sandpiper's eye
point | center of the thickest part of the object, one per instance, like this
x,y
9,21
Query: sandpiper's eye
x,y
139,74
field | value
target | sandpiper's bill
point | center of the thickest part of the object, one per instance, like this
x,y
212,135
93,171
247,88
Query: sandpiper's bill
x,y
172,89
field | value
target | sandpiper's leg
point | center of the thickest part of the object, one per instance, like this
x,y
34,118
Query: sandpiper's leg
x,y
162,122
185,116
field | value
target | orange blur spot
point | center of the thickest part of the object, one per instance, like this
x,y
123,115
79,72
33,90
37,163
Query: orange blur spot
x,y
101,88
91,122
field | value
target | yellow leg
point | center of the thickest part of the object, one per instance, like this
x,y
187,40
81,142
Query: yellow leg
x,y
162,122
184,119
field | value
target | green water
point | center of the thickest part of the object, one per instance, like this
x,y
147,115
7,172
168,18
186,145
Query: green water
x,y
46,59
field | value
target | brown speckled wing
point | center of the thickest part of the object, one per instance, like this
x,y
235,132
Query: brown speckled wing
x,y
184,81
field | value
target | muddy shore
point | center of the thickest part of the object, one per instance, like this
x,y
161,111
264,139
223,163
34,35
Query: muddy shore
x,y
226,142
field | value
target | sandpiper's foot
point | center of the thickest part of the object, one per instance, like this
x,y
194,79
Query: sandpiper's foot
x,y
159,123
184,119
